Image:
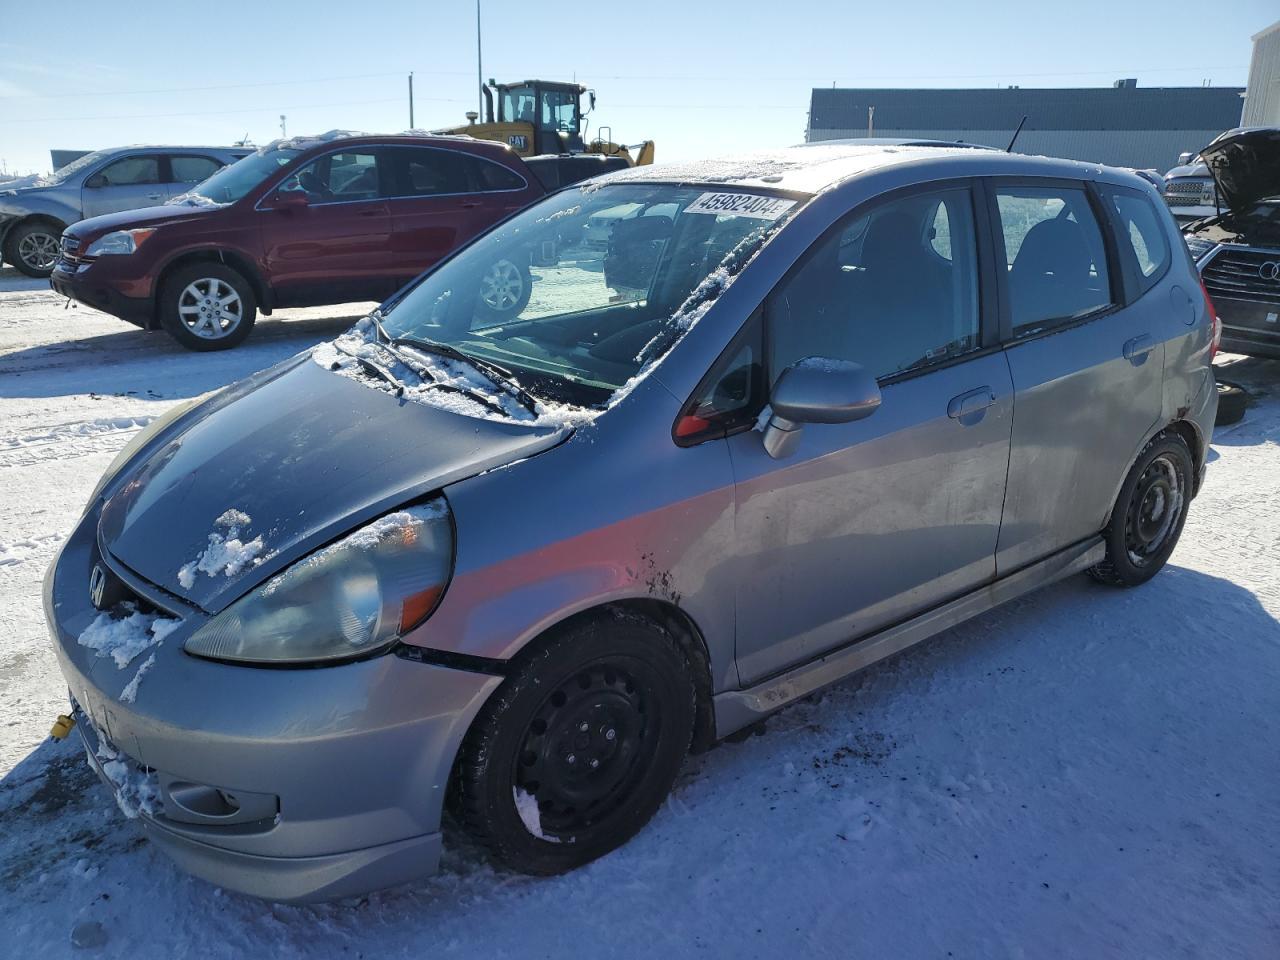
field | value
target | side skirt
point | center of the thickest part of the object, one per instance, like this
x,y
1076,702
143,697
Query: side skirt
x,y
735,709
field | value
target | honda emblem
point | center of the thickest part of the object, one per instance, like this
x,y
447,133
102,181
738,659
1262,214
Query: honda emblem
x,y
97,585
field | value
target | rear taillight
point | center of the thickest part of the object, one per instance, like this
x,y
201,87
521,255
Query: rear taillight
x,y
1214,321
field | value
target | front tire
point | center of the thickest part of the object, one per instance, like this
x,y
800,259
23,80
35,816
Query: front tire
x,y
578,748
33,248
207,306
1149,514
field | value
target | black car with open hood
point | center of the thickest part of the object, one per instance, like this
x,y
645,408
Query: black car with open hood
x,y
1238,251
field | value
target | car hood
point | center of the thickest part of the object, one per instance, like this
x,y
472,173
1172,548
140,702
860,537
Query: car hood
x,y
1258,226
95,227
1187,170
302,457
1246,166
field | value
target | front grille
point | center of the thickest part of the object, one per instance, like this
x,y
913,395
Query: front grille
x,y
1186,186
1183,201
1244,275
70,250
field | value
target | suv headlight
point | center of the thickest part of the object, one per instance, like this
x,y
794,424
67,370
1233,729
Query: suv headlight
x,y
119,242
1199,248
352,598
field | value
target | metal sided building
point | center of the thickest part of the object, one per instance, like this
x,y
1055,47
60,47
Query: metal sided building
x,y
1124,125
1262,96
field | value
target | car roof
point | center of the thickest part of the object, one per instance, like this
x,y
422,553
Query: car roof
x,y
421,138
815,167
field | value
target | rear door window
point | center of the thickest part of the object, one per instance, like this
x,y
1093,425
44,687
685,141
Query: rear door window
x,y
424,172
192,169
494,176
1142,229
1054,254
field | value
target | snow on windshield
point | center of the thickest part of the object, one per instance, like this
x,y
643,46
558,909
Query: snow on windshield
x,y
571,302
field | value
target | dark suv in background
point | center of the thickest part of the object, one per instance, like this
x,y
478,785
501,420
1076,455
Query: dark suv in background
x,y
34,214
300,222
1238,251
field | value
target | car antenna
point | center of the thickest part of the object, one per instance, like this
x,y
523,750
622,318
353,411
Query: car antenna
x,y
1014,138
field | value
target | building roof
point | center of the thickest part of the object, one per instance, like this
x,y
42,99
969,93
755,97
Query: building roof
x,y
1089,108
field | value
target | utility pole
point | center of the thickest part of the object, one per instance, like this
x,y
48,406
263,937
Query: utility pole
x,y
479,67
411,100
283,135
871,121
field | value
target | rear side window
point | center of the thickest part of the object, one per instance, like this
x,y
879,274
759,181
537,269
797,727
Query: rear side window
x,y
1054,254
422,172
131,170
494,176
1141,226
192,169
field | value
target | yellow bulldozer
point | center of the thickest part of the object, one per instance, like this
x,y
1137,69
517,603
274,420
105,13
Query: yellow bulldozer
x,y
545,117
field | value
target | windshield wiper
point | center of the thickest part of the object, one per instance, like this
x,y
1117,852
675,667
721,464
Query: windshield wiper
x,y
497,375
373,367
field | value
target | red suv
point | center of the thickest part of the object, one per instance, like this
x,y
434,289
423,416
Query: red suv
x,y
300,222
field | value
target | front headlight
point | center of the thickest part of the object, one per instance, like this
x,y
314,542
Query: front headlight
x,y
1199,248
350,599
119,242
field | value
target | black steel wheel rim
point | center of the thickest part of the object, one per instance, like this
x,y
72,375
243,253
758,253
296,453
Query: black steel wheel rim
x,y
1154,509
587,748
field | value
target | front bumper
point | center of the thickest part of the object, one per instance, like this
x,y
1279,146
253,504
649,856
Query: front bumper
x,y
332,780
81,284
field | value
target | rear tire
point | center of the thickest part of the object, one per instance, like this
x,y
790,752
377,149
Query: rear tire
x,y
1232,401
207,306
578,748
1149,514
32,247
505,289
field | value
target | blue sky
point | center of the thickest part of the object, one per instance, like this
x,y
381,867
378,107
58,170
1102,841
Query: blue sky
x,y
699,78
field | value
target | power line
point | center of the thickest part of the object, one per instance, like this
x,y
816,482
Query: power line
x,y
223,113
229,86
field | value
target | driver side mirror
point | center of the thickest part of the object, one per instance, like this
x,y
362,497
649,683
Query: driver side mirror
x,y
289,200
817,390
97,180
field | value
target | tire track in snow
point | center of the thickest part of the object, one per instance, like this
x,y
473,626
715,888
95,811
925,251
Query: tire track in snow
x,y
64,440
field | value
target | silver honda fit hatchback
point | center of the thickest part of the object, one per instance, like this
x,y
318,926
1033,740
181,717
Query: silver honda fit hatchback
x,y
798,412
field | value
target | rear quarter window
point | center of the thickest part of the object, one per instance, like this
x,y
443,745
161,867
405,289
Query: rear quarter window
x,y
1142,233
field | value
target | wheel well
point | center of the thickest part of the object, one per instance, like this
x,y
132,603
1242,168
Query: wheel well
x,y
679,626
33,218
1191,437
231,259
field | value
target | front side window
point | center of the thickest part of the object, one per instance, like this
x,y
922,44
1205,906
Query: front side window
x,y
131,171
1142,227
1054,254
559,111
192,169
577,293
338,178
893,289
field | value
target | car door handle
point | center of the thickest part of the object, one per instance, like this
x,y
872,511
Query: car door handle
x,y
155,196
468,204
371,213
975,401
1136,350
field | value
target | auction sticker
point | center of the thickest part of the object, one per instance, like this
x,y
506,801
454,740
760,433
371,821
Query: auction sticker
x,y
741,205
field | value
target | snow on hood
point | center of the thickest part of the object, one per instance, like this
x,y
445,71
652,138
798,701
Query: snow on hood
x,y
194,200
1245,164
299,459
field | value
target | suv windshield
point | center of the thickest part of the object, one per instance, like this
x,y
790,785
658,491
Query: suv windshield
x,y
232,182
575,294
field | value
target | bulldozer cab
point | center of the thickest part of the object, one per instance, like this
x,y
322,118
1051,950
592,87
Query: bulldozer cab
x,y
552,110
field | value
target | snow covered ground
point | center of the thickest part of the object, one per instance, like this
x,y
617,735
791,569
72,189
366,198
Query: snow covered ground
x,y
1084,773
